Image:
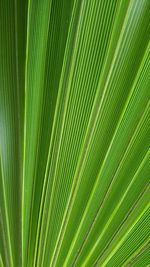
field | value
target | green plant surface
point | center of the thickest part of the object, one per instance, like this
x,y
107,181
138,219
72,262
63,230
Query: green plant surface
x,y
74,133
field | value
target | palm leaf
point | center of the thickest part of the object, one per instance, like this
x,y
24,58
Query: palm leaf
x,y
74,133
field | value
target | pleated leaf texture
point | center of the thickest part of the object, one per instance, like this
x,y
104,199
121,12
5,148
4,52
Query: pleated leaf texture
x,y
74,133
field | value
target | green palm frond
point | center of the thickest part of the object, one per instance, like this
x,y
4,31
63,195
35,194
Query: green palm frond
x,y
74,133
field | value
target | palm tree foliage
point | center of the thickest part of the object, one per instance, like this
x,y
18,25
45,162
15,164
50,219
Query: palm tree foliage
x,y
74,133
